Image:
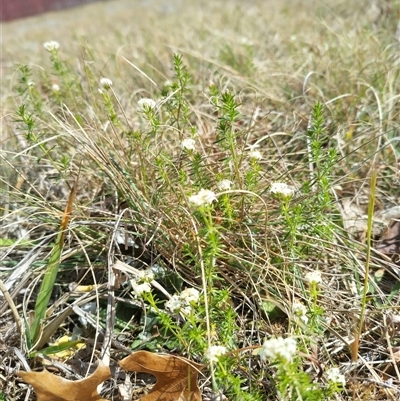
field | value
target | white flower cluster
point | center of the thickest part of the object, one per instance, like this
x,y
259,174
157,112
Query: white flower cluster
x,y
214,352
314,277
140,288
334,375
246,41
224,185
146,275
188,144
105,84
280,188
300,311
146,104
255,154
190,295
183,302
142,283
203,197
276,348
51,46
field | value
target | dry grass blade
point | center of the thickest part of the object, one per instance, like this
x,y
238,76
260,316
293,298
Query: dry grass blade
x,y
50,328
23,266
124,267
11,305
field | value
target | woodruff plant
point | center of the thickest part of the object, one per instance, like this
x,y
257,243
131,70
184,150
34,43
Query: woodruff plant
x,y
186,187
307,212
207,323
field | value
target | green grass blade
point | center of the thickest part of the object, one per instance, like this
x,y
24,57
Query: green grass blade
x,y
371,205
50,275
54,349
47,285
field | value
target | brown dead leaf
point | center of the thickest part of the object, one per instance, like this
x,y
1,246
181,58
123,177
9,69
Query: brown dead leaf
x,y
176,376
49,387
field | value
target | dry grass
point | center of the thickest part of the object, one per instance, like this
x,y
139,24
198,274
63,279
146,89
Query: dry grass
x,y
279,58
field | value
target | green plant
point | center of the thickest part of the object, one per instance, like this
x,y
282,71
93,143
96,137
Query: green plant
x,y
34,334
205,326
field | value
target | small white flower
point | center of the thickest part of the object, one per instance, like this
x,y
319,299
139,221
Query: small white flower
x,y
214,352
224,185
139,289
280,188
188,144
190,295
334,375
203,197
146,104
105,84
182,302
255,154
314,277
51,46
274,348
174,304
246,41
300,311
146,275
31,84
55,88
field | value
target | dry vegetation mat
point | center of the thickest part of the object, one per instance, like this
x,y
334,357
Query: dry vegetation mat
x,y
200,200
